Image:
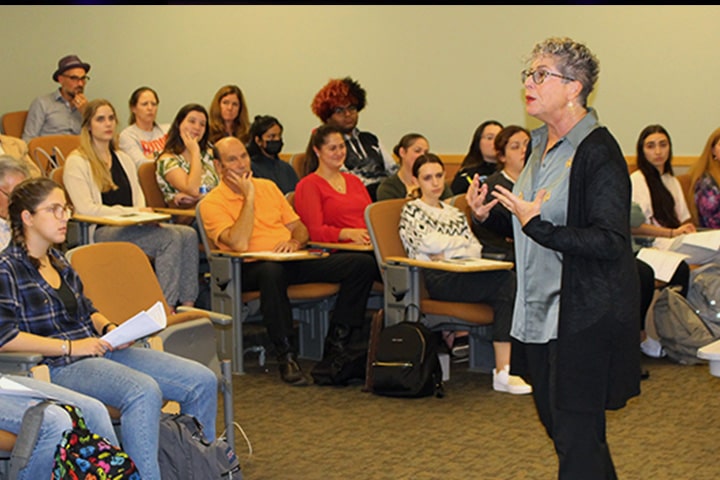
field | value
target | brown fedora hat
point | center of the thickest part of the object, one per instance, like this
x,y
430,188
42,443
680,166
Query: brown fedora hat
x,y
68,62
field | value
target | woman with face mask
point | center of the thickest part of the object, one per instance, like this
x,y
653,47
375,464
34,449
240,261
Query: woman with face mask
x,y
264,147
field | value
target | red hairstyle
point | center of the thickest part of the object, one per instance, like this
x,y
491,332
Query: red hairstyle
x,y
337,93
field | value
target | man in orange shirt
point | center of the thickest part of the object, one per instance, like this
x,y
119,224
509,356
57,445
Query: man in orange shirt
x,y
246,214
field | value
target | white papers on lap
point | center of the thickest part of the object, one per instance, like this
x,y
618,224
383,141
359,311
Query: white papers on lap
x,y
139,217
141,325
474,261
709,239
663,262
278,255
11,387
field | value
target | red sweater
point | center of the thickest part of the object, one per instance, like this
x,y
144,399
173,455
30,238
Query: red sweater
x,y
325,211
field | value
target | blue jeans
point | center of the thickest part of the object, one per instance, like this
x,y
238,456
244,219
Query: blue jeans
x,y
136,381
55,422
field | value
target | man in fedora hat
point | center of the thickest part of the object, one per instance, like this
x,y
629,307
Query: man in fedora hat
x,y
60,112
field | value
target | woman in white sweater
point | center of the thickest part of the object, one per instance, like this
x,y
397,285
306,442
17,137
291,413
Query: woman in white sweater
x,y
660,196
102,180
433,230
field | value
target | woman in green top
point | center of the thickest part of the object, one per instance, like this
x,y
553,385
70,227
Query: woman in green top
x,y
402,184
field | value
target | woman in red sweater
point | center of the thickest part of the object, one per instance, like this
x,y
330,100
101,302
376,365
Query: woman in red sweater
x,y
331,201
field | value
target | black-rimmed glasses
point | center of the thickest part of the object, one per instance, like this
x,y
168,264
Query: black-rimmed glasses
x,y
539,76
348,109
75,78
59,211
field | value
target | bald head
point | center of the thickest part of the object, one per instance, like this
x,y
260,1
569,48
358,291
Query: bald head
x,y
231,155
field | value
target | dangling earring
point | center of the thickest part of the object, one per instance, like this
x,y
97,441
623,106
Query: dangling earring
x,y
570,105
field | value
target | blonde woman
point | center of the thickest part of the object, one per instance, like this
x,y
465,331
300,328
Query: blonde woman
x,y
102,180
704,195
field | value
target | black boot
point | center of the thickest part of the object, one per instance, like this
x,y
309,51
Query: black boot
x,y
337,340
340,363
290,370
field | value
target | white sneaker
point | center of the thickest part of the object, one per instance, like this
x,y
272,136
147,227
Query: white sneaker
x,y
652,348
504,382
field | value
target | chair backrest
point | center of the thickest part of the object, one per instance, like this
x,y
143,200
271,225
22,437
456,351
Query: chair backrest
x,y
148,182
298,163
207,243
460,202
50,151
118,278
13,123
382,220
57,175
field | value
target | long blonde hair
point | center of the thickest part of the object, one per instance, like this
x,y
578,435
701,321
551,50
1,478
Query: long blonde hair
x,y
706,163
100,172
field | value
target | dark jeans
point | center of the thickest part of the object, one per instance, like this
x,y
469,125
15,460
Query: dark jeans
x,y
353,271
496,288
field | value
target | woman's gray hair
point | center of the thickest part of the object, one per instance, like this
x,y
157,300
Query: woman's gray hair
x,y
10,164
574,60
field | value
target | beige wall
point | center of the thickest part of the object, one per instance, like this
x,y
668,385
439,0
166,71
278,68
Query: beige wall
x,y
437,70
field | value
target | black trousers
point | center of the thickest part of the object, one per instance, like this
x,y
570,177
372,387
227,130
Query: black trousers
x,y
496,288
579,437
354,272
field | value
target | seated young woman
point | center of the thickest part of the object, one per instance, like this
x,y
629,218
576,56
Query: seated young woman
x,y
43,309
330,202
430,229
659,194
184,168
102,180
401,184
496,233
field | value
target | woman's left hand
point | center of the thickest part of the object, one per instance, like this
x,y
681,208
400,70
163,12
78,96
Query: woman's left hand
x,y
522,209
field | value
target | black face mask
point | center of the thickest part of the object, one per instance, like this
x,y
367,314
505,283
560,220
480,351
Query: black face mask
x,y
273,147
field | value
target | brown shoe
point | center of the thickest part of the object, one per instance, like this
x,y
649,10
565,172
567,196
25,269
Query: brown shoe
x,y
290,371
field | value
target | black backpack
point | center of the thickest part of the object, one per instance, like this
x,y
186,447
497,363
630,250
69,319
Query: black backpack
x,y
185,453
406,362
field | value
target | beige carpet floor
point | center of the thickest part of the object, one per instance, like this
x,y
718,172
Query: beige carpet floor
x,y
671,431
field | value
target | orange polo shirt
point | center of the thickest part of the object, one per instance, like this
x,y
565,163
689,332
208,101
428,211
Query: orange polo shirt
x,y
221,208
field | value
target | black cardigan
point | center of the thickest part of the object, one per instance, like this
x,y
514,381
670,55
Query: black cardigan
x,y
598,331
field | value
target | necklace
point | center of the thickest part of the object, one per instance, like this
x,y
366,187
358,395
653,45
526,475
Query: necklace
x,y
337,182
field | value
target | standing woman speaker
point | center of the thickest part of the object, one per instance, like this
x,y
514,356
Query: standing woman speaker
x,y
575,326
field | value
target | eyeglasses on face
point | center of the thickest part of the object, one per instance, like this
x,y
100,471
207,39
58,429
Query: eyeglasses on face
x,y
540,75
7,195
75,78
59,211
348,109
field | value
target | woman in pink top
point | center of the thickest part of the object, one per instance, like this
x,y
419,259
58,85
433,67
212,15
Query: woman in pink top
x,y
331,202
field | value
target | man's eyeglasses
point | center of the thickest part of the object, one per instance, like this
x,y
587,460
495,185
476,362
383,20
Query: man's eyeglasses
x,y
75,78
539,76
348,109
59,211
7,195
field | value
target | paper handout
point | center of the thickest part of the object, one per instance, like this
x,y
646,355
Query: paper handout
x,y
139,217
706,239
141,325
11,387
663,262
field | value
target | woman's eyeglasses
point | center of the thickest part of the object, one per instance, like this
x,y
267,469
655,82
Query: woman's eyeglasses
x,y
539,76
59,211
